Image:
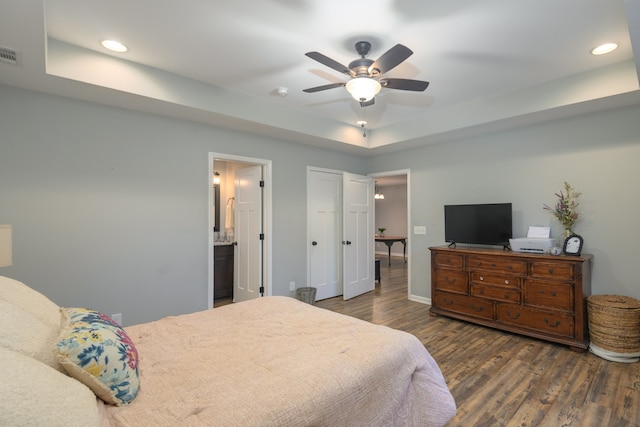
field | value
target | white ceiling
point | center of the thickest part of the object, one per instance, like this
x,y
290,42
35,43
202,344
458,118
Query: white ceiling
x,y
492,64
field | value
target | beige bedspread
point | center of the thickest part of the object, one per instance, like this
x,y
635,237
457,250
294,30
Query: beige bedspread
x,y
276,361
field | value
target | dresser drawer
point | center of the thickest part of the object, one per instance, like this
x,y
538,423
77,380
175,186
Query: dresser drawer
x,y
537,320
557,270
451,280
496,293
481,278
449,260
464,305
494,263
558,295
537,295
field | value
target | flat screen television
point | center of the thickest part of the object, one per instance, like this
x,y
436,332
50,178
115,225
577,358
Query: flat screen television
x,y
481,224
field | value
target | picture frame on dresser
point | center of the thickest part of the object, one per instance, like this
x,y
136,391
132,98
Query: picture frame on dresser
x,y
538,295
573,245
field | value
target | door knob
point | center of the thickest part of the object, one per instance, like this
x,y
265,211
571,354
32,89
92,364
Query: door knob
x,y
314,243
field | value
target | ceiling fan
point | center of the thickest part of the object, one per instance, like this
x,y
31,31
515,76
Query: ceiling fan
x,y
364,84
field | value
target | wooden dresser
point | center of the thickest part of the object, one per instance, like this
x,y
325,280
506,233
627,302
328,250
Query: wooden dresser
x,y
542,296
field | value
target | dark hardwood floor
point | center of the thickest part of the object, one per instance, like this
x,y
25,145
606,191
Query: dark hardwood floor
x,y
503,379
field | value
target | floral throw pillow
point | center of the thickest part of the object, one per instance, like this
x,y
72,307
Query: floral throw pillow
x,y
94,349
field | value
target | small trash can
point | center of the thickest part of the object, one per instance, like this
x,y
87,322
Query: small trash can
x,y
614,327
306,294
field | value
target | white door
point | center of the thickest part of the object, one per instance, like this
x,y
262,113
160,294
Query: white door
x,y
324,210
247,264
358,236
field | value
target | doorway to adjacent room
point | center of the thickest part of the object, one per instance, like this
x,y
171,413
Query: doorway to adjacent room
x,y
239,228
393,215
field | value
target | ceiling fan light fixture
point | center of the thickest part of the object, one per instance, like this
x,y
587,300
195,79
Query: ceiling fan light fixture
x,y
363,89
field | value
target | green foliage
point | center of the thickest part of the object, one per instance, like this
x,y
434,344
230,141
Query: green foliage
x,y
565,208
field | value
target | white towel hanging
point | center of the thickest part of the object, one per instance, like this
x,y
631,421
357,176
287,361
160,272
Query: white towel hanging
x,y
228,219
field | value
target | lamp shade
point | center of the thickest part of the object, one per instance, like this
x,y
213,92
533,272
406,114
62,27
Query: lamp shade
x,y
363,89
5,245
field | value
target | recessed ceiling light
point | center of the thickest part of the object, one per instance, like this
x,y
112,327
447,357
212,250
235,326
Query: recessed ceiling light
x,y
114,46
604,48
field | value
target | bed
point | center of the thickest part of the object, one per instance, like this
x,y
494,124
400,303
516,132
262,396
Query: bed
x,y
273,361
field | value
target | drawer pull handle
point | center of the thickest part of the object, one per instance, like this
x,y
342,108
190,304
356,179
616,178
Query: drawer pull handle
x,y
507,296
550,271
553,293
481,278
506,282
450,281
510,267
513,316
447,301
477,308
549,323
493,264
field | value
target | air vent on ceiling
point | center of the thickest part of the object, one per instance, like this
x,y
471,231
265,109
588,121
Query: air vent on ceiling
x,y
10,56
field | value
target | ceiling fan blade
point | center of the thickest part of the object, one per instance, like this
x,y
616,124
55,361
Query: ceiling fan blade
x,y
368,103
325,60
390,59
404,84
325,87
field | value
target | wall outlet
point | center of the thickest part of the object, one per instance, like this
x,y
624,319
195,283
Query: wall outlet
x,y
419,229
292,286
117,317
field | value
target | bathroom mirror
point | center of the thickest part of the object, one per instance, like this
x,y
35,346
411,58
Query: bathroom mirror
x,y
216,207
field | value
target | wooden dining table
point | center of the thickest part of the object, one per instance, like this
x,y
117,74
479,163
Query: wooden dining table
x,y
390,240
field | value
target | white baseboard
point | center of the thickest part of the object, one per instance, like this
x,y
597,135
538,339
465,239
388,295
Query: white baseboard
x,y
417,298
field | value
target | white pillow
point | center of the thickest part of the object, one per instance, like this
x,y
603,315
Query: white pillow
x,y
30,300
33,394
23,333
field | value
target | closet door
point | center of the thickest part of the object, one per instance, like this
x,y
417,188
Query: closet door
x,y
324,231
358,235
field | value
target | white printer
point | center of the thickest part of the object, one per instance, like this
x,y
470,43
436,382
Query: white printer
x,y
536,242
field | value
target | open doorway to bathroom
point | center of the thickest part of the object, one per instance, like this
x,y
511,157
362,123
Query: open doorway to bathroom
x,y
239,228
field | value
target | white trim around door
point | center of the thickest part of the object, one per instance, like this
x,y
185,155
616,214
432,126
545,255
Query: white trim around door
x,y
406,172
267,216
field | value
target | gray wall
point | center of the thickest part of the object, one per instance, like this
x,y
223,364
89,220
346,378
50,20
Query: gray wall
x,y
597,153
109,207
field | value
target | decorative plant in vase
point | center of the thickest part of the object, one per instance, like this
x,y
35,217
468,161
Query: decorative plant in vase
x,y
381,230
565,208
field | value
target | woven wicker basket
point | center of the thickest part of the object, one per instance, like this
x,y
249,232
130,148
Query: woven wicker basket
x,y
614,323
